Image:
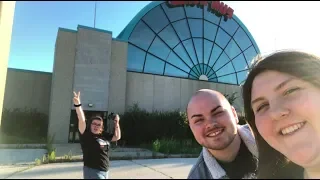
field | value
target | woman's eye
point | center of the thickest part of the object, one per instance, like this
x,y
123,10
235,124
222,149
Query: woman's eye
x,y
291,91
261,107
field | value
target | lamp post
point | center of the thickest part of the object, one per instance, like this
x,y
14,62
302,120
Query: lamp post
x,y
95,12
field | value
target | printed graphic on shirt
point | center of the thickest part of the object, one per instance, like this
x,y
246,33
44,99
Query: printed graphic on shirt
x,y
103,144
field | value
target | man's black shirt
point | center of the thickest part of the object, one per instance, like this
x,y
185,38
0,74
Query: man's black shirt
x,y
245,163
95,149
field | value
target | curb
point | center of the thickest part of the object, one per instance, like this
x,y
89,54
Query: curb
x,y
111,158
163,156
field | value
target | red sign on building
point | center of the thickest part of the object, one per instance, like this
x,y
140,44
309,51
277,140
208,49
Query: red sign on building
x,y
217,7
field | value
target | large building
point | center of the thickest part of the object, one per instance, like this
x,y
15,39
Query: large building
x,y
167,52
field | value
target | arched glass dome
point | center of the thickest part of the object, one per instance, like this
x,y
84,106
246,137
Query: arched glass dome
x,y
188,42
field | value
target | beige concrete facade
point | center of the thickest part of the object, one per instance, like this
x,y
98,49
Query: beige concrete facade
x,y
62,85
6,22
27,89
153,92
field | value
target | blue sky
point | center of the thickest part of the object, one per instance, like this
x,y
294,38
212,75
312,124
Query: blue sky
x,y
273,24
36,25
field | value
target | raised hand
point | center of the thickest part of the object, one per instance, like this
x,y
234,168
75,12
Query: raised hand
x,y
76,98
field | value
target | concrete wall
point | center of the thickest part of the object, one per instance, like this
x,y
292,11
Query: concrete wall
x,y
62,85
153,92
6,21
92,67
118,77
29,89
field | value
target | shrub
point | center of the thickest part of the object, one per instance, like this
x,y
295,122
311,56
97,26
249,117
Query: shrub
x,y
231,98
139,126
173,146
27,122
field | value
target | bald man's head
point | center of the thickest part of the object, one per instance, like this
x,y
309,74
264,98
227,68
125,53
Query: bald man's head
x,y
208,92
212,120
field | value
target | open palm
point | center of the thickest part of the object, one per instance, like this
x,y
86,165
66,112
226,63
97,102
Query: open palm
x,y
76,98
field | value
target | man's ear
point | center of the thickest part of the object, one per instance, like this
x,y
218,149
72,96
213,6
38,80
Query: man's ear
x,y
234,112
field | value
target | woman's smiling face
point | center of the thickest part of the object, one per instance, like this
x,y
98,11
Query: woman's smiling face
x,y
287,115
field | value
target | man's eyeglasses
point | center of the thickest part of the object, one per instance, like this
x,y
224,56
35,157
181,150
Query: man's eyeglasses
x,y
98,125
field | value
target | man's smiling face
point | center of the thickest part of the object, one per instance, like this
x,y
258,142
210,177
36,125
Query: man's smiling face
x,y
212,120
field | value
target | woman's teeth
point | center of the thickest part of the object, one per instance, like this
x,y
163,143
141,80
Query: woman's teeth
x,y
291,129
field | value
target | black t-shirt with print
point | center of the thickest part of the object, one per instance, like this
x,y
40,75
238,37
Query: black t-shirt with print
x,y
244,164
95,149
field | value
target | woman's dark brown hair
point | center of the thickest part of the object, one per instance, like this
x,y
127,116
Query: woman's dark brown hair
x,y
272,164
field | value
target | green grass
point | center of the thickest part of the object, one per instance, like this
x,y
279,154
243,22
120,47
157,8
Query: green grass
x,y
8,139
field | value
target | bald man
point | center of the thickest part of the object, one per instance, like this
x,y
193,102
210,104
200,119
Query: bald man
x,y
229,150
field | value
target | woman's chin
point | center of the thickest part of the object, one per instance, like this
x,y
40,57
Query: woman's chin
x,y
305,159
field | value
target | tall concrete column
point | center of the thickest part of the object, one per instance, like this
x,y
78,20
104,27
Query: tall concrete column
x,y
6,22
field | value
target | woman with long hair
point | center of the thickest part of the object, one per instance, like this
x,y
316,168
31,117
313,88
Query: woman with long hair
x,y
282,106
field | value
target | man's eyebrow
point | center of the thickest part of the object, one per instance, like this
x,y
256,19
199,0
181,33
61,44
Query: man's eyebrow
x,y
199,115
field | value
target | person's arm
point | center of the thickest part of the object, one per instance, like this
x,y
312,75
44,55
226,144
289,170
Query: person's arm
x,y
117,131
80,113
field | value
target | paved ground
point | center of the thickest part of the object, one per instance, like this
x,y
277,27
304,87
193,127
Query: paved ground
x,y
175,168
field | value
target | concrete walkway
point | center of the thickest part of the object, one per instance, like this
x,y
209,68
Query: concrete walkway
x,y
176,168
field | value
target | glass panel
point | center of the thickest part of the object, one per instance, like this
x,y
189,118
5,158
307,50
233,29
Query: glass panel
x,y
190,49
232,79
210,30
196,27
135,58
196,70
222,38
216,51
183,54
193,75
154,65
207,49
141,36
173,13
211,73
198,43
223,59
175,60
193,12
169,36
159,49
70,136
230,26
161,19
242,76
227,69
210,16
213,80
242,39
239,63
250,54
232,49
77,138
182,29
199,67
172,71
